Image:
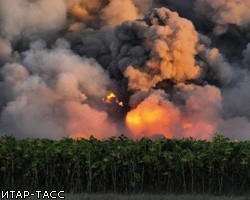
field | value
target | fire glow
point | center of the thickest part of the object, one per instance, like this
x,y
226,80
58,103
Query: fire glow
x,y
112,98
147,121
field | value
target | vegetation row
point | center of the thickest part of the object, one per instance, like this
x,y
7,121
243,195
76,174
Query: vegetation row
x,y
126,166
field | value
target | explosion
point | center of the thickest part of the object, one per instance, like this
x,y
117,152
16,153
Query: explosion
x,y
151,117
112,97
144,68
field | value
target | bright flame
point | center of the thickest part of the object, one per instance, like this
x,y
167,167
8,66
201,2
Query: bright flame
x,y
112,97
150,118
158,116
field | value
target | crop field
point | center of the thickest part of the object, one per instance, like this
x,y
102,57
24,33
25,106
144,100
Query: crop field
x,y
121,165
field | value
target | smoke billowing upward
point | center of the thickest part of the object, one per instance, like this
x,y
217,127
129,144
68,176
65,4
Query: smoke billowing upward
x,y
108,67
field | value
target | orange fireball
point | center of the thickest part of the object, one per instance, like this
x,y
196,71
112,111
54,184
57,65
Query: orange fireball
x,y
153,116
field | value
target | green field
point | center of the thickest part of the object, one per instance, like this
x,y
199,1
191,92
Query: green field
x,y
121,165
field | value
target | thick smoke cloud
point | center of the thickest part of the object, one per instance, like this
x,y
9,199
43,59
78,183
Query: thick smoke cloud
x,y
105,12
119,11
246,55
216,69
225,13
93,44
176,68
47,94
26,18
163,47
5,51
162,51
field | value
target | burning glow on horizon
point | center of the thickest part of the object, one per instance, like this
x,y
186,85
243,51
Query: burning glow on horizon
x,y
146,121
112,98
156,115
